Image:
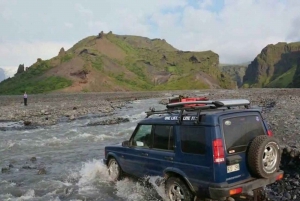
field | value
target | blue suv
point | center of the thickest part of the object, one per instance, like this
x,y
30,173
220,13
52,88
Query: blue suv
x,y
213,150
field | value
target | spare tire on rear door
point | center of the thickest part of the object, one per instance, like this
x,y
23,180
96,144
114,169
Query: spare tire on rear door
x,y
264,156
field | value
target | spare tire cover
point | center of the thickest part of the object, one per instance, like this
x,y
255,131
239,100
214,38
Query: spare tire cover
x,y
264,156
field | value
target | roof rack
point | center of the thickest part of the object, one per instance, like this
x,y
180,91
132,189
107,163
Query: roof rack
x,y
216,103
199,106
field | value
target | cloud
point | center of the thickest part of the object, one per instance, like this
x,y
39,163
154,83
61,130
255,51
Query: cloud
x,y
236,30
83,11
9,71
294,33
69,25
205,4
27,53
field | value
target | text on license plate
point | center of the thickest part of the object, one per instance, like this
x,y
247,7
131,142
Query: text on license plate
x,y
233,168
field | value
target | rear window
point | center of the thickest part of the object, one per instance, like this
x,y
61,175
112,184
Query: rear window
x,y
193,139
239,131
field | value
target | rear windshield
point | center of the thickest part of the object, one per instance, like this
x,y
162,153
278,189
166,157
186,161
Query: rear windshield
x,y
239,131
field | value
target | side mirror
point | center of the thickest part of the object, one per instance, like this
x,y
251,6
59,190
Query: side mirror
x,y
125,143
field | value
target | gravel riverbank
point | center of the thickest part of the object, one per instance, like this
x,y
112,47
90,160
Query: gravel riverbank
x,y
49,109
280,109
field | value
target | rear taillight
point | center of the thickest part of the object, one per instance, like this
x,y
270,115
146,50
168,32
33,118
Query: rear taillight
x,y
236,191
279,177
218,151
270,133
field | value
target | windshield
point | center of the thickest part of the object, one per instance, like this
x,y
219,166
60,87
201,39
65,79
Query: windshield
x,y
239,131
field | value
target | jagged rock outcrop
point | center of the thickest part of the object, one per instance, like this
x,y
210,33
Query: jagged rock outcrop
x,y
62,52
21,69
100,35
194,59
274,67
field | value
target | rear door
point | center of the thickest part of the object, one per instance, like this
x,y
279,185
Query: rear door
x,y
238,131
193,154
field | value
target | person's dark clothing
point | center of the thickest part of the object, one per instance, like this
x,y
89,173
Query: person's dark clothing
x,y
25,99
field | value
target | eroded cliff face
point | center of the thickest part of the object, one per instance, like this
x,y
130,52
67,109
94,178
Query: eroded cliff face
x,y
236,72
275,66
296,79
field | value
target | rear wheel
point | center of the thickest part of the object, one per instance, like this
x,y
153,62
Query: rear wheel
x,y
114,170
264,156
177,190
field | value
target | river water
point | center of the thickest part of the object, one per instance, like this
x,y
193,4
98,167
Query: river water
x,y
71,154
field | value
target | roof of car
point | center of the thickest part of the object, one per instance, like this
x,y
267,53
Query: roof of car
x,y
207,117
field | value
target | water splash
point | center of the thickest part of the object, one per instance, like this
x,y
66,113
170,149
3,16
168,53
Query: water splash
x,y
144,189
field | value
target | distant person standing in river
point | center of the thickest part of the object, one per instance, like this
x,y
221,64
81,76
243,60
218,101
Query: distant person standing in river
x,y
25,98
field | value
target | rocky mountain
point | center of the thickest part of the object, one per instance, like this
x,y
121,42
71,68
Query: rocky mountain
x,y
276,66
109,62
296,79
2,75
236,72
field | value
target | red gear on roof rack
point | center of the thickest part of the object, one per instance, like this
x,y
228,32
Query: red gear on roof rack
x,y
188,99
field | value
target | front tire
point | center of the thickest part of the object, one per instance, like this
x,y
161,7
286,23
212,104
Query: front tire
x,y
177,190
114,170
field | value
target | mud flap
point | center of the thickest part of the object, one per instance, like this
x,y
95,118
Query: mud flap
x,y
259,194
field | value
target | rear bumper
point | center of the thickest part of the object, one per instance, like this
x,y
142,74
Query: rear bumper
x,y
216,193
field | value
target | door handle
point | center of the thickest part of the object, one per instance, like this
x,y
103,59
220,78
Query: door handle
x,y
144,154
169,158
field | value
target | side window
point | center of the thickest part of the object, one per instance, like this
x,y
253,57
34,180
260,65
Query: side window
x,y
142,137
193,139
163,137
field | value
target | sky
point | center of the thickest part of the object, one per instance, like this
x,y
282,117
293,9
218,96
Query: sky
x,y
237,30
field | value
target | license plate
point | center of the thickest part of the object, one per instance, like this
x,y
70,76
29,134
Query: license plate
x,y
233,168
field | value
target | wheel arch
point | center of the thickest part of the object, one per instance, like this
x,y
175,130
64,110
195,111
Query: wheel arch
x,y
172,172
110,156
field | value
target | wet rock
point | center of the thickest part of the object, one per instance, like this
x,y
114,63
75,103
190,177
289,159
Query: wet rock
x,y
33,159
42,171
27,123
68,191
72,117
5,170
109,121
27,167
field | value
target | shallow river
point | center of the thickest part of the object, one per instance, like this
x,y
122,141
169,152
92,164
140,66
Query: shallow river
x,y
71,154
